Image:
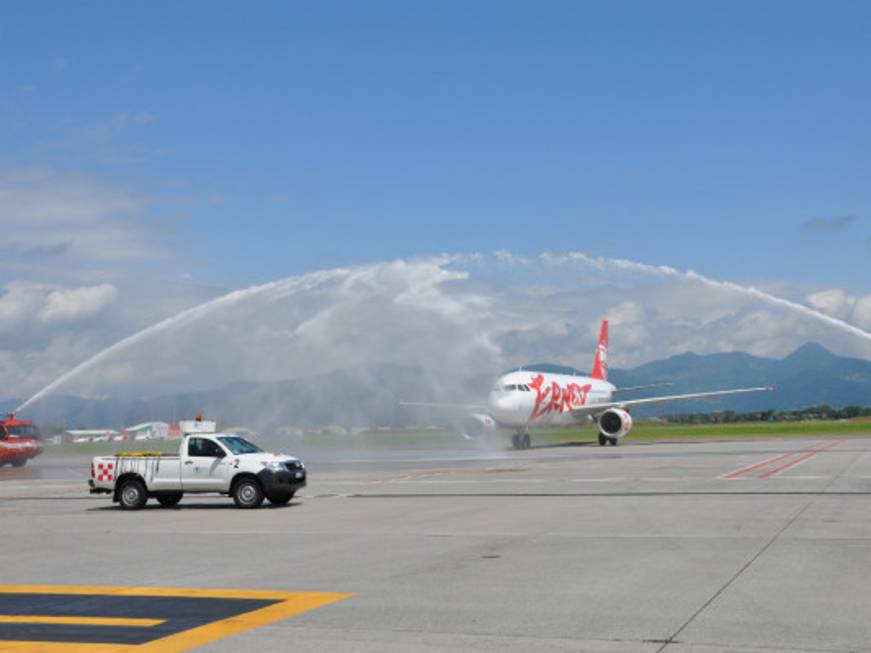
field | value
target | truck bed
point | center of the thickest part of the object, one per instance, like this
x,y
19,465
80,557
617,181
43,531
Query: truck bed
x,y
160,472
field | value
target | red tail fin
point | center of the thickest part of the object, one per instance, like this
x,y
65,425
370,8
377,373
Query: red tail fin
x,y
600,363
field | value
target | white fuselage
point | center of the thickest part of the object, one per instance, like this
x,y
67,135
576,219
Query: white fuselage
x,y
527,399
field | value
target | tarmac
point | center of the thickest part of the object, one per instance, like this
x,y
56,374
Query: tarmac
x,y
756,546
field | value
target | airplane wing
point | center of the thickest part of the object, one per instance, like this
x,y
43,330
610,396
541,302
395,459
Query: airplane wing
x,y
596,409
633,388
424,404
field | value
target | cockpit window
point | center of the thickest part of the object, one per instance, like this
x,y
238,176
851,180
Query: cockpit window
x,y
512,387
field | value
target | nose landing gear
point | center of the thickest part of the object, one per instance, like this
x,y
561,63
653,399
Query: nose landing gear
x,y
521,440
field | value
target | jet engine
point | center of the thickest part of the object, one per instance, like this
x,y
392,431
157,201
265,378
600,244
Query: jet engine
x,y
474,426
614,423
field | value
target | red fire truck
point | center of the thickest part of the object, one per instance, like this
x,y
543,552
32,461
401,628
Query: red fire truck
x,y
19,441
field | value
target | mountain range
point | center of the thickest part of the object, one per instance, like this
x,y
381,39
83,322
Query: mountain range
x,y
811,375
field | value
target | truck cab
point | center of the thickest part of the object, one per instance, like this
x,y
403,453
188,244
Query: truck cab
x,y
223,463
19,441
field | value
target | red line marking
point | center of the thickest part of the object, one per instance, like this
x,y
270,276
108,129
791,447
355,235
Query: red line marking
x,y
746,470
800,459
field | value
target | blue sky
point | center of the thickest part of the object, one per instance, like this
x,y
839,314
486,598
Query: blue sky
x,y
293,136
179,149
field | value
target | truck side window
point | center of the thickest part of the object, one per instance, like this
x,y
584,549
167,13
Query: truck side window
x,y
204,448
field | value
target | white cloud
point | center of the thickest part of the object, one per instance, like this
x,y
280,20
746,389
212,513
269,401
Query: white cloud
x,y
76,304
24,306
760,325
47,329
19,302
834,302
34,367
48,213
37,194
626,313
628,320
72,277
862,312
840,304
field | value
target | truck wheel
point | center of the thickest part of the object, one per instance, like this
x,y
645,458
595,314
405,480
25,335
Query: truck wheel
x,y
19,462
247,493
132,495
280,498
169,500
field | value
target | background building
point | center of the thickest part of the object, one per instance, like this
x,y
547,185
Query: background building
x,y
147,431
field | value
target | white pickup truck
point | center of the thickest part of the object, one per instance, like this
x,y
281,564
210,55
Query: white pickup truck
x,y
206,462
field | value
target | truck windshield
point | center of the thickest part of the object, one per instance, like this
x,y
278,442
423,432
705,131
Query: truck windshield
x,y
22,431
239,445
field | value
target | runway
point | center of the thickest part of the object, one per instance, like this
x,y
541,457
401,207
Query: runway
x,y
716,546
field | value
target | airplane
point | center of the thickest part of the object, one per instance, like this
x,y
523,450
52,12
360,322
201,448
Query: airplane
x,y
524,399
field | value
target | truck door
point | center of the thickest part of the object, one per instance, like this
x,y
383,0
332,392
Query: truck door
x,y
204,467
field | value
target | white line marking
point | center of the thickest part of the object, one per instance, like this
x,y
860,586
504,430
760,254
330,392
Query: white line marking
x,y
614,479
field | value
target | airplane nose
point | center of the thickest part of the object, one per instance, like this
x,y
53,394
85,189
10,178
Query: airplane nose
x,y
505,403
504,406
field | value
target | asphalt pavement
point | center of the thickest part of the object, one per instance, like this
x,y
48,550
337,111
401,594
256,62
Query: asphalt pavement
x,y
718,546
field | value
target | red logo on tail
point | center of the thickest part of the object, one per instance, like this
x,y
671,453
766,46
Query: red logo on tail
x,y
600,363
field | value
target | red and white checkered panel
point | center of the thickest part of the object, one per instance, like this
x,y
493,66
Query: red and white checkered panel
x,y
105,471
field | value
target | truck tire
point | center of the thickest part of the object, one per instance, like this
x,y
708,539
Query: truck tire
x,y
247,493
19,462
169,500
132,495
280,498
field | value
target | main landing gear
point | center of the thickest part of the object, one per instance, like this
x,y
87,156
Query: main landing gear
x,y
521,440
604,439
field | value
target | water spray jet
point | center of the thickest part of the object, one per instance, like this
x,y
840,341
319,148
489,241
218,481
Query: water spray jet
x,y
422,293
